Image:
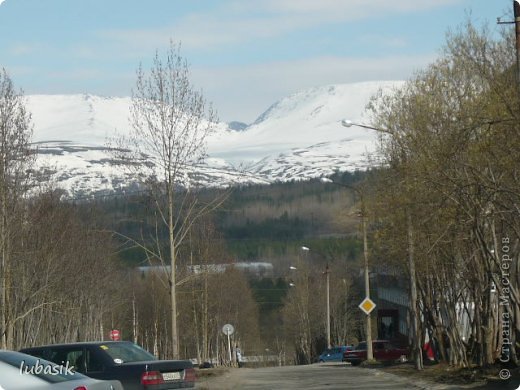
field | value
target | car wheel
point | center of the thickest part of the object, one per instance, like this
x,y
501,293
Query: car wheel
x,y
355,363
322,361
403,359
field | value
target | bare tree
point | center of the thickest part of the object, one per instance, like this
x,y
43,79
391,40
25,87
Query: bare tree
x,y
170,124
15,158
64,275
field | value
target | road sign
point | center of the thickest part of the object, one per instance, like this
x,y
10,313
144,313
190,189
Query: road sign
x,y
228,329
367,305
115,335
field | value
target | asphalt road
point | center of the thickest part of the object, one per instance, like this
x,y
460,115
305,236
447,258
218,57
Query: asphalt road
x,y
326,376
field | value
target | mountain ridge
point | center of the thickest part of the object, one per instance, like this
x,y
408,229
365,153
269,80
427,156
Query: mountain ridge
x,y
298,137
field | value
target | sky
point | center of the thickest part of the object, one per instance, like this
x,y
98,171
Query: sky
x,y
243,54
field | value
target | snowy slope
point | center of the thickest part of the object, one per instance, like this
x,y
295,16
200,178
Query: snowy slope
x,y
298,137
82,119
304,136
72,134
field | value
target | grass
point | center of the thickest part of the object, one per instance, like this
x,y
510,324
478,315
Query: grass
x,y
445,374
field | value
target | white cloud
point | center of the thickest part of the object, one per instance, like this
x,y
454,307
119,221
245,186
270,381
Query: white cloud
x,y
21,48
353,7
239,21
203,31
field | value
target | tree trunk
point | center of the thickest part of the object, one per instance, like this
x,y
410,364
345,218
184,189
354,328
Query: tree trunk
x,y
173,278
416,345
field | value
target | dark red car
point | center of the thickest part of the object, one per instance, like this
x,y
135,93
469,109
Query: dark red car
x,y
383,351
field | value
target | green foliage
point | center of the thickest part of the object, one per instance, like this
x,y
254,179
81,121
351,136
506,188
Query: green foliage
x,y
257,221
268,293
348,248
281,228
133,257
256,248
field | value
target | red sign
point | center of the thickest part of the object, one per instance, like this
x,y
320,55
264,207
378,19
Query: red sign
x,y
115,335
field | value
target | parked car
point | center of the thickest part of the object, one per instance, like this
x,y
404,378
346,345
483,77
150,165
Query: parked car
x,y
334,354
383,351
19,371
124,361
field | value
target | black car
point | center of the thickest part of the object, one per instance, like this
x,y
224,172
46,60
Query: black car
x,y
124,361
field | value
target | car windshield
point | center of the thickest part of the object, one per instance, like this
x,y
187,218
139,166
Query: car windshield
x,y
43,369
127,353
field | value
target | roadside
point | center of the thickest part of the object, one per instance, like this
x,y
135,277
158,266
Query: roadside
x,y
441,376
212,378
434,377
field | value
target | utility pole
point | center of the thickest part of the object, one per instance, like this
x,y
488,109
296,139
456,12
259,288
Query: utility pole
x,y
516,9
516,22
362,214
370,353
327,273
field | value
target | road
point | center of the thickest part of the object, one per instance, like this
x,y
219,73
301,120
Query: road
x,y
329,376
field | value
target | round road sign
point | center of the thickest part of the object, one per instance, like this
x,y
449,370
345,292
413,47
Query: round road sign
x,y
115,335
228,329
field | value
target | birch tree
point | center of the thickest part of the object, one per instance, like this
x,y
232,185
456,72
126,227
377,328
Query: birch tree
x,y
15,158
171,121
457,122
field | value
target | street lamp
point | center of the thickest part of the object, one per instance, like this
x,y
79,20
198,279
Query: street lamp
x,y
411,259
349,123
370,353
326,273
291,282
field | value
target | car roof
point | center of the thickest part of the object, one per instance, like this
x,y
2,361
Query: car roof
x,y
79,344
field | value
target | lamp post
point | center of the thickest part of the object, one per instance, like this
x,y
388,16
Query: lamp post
x,y
326,273
368,330
411,254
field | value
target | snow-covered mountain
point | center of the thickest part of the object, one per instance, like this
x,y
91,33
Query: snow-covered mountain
x,y
298,137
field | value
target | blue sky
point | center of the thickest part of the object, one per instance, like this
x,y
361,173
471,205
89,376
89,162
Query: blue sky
x,y
244,54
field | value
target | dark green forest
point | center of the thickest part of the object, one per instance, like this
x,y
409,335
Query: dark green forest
x,y
257,222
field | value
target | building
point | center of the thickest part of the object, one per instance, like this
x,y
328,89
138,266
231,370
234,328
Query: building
x,y
253,269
